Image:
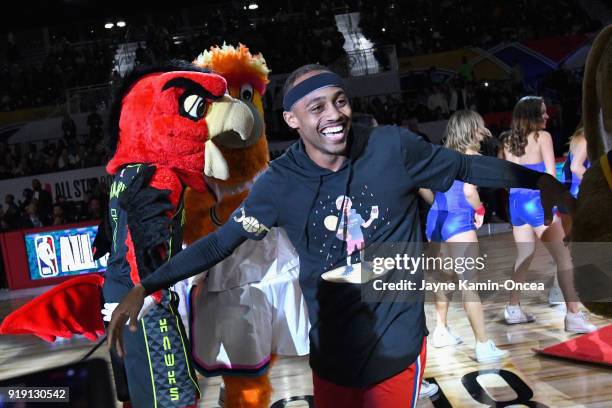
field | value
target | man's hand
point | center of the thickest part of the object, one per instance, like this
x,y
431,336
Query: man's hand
x,y
553,193
129,308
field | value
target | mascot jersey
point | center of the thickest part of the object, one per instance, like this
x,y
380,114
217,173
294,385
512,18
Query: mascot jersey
x,y
156,370
165,117
354,341
118,271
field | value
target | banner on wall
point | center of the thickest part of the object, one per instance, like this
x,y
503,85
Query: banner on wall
x,y
72,184
62,253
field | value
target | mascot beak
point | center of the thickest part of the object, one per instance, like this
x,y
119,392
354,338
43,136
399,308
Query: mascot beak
x,y
225,115
229,114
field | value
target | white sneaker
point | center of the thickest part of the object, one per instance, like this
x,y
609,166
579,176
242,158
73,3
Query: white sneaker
x,y
443,336
555,297
488,352
428,389
578,323
514,315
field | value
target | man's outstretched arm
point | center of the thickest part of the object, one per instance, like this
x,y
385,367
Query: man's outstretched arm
x,y
487,171
200,256
259,208
435,167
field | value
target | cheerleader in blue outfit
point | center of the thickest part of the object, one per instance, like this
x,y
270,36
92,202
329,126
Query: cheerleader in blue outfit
x,y
576,164
453,218
529,145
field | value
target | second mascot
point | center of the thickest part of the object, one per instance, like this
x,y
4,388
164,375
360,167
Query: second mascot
x,y
248,308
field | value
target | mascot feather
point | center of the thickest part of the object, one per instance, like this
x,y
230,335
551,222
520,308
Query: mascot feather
x,y
249,307
592,222
162,123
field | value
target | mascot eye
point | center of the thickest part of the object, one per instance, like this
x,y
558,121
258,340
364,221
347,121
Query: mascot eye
x,y
194,106
246,92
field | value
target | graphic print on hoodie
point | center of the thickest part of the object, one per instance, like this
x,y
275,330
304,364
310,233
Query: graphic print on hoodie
x,y
347,230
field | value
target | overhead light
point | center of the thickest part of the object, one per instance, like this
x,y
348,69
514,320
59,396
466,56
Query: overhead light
x,y
383,29
108,26
253,6
121,24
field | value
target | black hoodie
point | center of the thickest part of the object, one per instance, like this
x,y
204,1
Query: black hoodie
x,y
353,342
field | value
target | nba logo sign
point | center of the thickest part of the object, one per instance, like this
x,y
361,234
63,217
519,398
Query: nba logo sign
x,y
47,259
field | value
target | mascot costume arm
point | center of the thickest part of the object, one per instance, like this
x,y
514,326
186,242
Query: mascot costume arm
x,y
232,297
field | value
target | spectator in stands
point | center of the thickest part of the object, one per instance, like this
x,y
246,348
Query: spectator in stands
x,y
459,97
43,198
140,55
63,162
465,70
11,207
27,195
94,209
95,122
68,127
90,158
34,159
4,224
22,169
74,159
33,219
437,103
516,75
58,215
12,213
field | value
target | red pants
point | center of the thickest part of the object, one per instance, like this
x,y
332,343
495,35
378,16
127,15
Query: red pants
x,y
399,391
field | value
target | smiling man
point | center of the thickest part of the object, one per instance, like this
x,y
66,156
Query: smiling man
x,y
362,353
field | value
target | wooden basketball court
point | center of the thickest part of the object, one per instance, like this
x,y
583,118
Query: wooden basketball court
x,y
553,382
